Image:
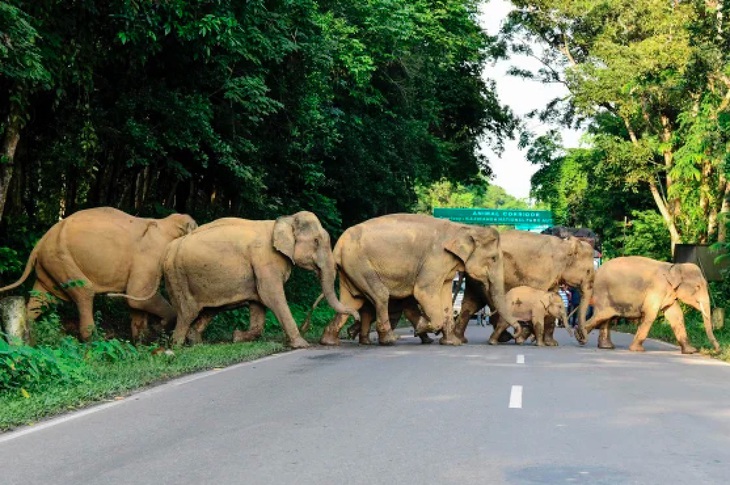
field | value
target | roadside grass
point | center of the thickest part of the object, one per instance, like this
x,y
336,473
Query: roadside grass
x,y
100,380
695,331
63,375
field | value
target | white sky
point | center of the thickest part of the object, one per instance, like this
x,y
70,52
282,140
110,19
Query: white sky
x,y
512,171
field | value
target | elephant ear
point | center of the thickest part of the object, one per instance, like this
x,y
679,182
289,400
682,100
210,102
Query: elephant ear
x,y
283,237
674,276
462,245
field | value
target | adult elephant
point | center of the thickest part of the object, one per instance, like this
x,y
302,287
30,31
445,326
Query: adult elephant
x,y
399,256
103,250
536,307
635,287
539,261
230,262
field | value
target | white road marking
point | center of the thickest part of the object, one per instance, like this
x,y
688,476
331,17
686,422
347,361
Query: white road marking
x,y
11,435
515,398
520,359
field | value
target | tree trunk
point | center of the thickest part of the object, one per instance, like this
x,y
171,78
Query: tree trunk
x,y
7,156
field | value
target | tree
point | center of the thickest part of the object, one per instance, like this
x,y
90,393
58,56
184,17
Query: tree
x,y
655,69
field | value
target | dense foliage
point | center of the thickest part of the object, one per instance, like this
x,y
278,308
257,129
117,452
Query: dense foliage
x,y
650,82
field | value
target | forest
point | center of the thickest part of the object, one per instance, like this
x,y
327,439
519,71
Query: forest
x,y
352,110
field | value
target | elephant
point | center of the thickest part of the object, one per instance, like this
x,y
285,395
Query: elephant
x,y
407,307
635,287
230,262
536,307
103,250
398,256
539,261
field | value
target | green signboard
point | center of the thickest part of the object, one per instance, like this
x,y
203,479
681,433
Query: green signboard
x,y
497,217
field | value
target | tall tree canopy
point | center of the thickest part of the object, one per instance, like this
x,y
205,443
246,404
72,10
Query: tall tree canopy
x,y
252,109
651,79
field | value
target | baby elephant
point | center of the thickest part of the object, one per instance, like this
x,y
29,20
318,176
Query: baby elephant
x,y
534,307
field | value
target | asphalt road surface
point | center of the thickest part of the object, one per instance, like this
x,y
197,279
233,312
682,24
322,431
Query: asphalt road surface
x,y
407,414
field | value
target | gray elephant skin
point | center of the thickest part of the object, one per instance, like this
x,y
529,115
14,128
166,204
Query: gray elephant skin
x,y
539,261
103,250
638,288
399,256
231,262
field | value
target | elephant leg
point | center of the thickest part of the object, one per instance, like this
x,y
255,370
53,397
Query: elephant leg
x,y
140,327
413,314
469,306
539,329
646,322
604,337
195,333
675,317
366,319
550,332
157,305
257,320
449,336
271,292
84,300
499,328
331,334
182,326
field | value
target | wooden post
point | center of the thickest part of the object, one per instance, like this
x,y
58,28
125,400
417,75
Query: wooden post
x,y
718,318
13,318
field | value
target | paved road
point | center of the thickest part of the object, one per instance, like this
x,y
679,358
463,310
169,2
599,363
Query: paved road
x,y
407,414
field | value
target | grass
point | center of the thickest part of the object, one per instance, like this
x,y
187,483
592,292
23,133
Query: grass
x,y
101,379
695,331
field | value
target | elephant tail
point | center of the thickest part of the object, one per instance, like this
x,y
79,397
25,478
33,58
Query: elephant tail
x,y
28,266
132,297
308,321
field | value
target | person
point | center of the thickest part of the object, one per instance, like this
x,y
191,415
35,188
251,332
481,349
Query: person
x,y
564,293
574,303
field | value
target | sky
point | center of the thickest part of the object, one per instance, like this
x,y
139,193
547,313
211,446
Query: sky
x,y
512,171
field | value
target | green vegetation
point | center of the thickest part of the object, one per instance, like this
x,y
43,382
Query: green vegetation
x,y
101,371
648,80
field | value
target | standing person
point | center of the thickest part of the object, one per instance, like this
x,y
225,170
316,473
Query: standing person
x,y
564,293
574,303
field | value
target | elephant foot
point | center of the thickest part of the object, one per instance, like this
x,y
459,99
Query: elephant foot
x,y
329,339
452,340
504,337
387,338
353,331
194,337
425,339
365,340
605,344
539,344
636,347
241,336
299,343
551,343
520,340
688,349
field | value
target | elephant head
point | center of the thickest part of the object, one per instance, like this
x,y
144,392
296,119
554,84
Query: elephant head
x,y
554,306
480,251
689,286
580,273
179,225
301,238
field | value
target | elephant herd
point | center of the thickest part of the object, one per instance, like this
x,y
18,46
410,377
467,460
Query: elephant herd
x,y
387,266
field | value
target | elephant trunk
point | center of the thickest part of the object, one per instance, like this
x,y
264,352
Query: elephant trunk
x,y
498,300
708,324
586,294
327,280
